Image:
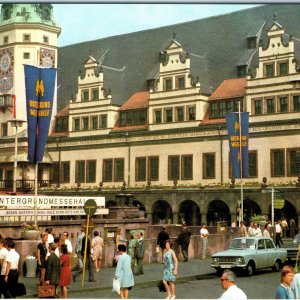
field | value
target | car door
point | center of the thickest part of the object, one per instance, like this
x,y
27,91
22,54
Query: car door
x,y
261,257
271,251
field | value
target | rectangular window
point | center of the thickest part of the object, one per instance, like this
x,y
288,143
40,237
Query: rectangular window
x,y
65,172
80,171
270,106
293,162
85,123
283,68
95,94
76,124
5,39
252,162
107,170
4,129
94,122
209,165
192,113
157,116
168,84
241,71
153,168
277,163
103,121
169,115
173,167
269,70
55,172
251,42
119,169
61,124
26,37
1,174
296,103
187,167
257,107
26,55
180,82
140,169
45,39
283,104
180,114
91,171
85,96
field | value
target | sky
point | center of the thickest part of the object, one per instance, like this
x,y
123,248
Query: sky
x,y
86,22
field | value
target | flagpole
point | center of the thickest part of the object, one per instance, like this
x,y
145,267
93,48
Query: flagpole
x,y
35,192
241,166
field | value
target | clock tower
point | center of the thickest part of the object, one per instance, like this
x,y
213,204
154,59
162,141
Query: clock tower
x,y
28,35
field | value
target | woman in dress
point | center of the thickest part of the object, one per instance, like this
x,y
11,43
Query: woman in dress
x,y
41,256
119,239
170,270
124,272
65,271
285,291
97,247
131,249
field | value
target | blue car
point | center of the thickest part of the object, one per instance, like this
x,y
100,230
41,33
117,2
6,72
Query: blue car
x,y
249,254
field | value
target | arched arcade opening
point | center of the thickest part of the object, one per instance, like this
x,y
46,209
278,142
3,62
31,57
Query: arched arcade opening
x,y
162,213
217,211
189,212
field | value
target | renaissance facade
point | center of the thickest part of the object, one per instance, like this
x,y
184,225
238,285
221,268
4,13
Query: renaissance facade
x,y
145,116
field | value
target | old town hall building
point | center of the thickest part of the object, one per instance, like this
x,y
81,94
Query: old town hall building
x,y
143,114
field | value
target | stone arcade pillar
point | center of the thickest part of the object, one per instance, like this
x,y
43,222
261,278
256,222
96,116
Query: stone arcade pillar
x,y
175,217
204,218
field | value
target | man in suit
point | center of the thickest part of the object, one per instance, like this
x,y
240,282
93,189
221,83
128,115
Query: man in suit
x,y
184,241
52,267
89,261
162,237
139,253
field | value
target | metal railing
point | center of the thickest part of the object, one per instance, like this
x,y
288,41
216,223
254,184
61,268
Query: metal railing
x,y
23,185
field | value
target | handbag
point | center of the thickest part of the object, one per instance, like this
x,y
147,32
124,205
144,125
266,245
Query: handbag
x,y
20,289
46,291
157,249
161,286
116,285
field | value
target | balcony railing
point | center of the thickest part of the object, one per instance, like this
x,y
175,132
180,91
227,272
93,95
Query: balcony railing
x,y
23,185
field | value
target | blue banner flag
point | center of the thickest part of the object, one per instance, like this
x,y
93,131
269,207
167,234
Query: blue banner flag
x,y
233,128
39,84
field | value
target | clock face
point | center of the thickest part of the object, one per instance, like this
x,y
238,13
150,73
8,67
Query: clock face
x,y
6,61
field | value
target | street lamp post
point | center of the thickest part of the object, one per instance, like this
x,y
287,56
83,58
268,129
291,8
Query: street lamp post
x,y
58,144
16,123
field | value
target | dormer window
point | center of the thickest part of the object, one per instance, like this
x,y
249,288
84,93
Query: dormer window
x,y
269,70
180,82
241,71
168,84
85,95
283,68
251,42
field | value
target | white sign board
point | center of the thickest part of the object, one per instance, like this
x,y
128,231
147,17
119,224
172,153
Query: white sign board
x,y
49,212
21,201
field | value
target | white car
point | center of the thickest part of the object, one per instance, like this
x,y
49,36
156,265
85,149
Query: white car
x,y
248,254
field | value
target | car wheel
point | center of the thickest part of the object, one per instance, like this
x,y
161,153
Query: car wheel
x,y
276,266
250,269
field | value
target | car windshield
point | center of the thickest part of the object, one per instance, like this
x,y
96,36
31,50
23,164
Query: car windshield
x,y
242,243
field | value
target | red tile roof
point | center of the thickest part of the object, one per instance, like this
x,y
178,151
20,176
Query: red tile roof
x,y
136,101
230,88
64,112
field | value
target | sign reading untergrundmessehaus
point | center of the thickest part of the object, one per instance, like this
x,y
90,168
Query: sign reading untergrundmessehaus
x,y
12,206
39,84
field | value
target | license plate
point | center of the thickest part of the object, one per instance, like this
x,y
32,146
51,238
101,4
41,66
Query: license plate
x,y
226,266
